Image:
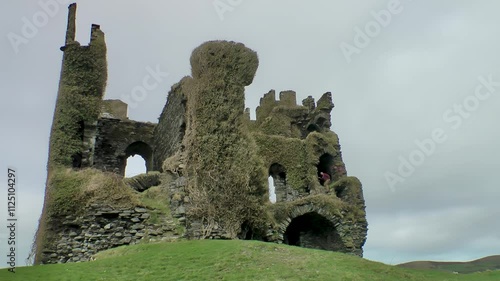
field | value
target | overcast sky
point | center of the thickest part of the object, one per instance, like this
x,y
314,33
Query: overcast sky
x,y
413,82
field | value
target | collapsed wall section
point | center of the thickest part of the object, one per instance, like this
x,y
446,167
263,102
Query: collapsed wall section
x,y
100,228
81,88
91,211
169,132
285,118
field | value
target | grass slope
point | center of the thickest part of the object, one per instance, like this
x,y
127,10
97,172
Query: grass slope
x,y
484,264
228,260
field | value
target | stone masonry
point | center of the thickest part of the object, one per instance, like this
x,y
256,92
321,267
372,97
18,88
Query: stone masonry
x,y
205,155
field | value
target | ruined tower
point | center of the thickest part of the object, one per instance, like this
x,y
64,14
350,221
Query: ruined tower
x,y
79,99
208,164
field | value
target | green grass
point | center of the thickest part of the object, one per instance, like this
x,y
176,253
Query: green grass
x,y
228,260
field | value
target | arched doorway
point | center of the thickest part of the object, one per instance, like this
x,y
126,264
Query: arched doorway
x,y
138,148
313,230
325,165
278,174
246,232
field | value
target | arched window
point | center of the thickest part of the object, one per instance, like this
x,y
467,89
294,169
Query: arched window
x,y
325,165
135,165
313,128
272,189
278,174
140,149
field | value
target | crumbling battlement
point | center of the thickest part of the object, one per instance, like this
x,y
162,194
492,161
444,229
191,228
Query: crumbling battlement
x,y
286,118
211,171
171,128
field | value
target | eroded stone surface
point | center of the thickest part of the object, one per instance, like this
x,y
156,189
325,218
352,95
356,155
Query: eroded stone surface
x,y
101,228
216,159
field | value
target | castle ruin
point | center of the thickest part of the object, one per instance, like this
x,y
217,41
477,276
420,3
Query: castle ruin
x,y
208,163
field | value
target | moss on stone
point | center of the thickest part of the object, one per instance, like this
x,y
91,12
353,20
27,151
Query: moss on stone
x,y
71,191
143,182
83,80
325,102
280,121
332,205
231,61
321,143
227,183
225,156
288,152
157,200
349,189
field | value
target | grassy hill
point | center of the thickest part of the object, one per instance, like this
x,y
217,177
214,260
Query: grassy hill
x,y
228,260
484,264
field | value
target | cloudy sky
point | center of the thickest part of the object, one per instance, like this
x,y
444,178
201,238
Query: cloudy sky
x,y
414,84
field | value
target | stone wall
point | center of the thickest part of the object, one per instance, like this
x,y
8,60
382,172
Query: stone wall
x,y
283,191
171,127
101,228
219,159
180,203
285,118
115,109
336,231
117,139
88,145
79,98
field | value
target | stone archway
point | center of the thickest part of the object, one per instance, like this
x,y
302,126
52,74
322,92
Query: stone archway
x,y
312,230
138,148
